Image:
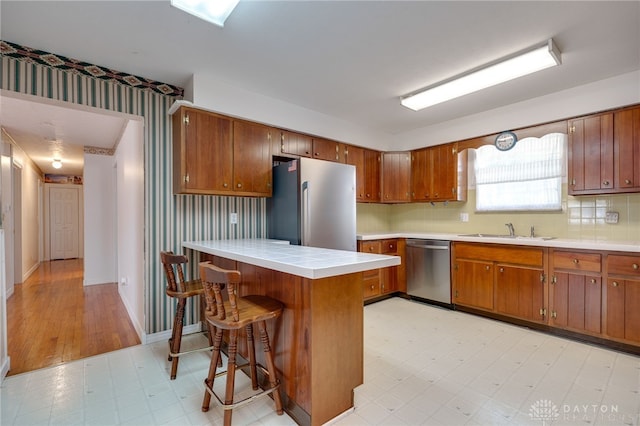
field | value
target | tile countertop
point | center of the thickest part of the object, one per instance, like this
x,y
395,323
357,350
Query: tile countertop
x,y
308,262
582,244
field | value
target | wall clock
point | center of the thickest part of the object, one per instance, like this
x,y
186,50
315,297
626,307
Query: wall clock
x,y
505,141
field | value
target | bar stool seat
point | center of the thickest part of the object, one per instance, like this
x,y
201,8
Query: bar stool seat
x,y
235,314
178,288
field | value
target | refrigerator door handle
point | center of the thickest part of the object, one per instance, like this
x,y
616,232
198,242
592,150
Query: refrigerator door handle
x,y
305,213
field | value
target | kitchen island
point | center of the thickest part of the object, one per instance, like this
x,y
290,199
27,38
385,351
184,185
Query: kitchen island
x,y
318,340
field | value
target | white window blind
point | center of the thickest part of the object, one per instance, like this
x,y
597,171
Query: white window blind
x,y
527,177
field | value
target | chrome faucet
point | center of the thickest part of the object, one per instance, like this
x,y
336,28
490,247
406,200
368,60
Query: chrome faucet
x,y
533,232
512,232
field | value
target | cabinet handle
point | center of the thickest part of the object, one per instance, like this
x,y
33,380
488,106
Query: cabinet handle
x,y
372,287
225,185
605,183
239,185
501,269
615,284
554,314
368,195
576,261
593,280
635,266
573,182
627,181
487,267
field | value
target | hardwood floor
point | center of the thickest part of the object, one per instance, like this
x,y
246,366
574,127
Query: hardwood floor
x,y
53,318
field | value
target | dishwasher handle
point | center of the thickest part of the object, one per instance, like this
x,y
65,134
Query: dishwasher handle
x,y
427,246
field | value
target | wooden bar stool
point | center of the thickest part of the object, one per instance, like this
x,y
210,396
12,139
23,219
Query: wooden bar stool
x,y
182,290
233,315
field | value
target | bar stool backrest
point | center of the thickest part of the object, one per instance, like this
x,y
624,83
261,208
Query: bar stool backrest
x,y
214,281
173,265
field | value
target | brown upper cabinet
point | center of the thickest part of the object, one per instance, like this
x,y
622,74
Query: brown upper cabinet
x,y
438,173
217,155
367,163
396,177
252,161
328,150
591,154
626,149
295,144
604,153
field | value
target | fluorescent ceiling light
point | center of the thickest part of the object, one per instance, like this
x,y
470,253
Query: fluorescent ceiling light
x,y
56,163
509,68
214,11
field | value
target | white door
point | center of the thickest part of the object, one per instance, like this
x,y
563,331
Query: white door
x,y
63,203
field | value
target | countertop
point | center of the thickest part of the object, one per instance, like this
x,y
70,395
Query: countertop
x,y
308,262
583,244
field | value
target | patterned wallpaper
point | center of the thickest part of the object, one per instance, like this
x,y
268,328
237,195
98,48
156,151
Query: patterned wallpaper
x,y
169,219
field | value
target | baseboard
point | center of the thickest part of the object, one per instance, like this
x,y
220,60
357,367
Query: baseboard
x,y
4,369
136,325
162,336
30,271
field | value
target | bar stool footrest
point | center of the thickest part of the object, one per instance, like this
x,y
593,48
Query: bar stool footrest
x,y
190,351
247,400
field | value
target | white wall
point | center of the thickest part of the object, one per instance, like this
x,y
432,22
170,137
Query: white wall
x,y
4,353
99,220
31,220
605,94
219,96
130,221
208,93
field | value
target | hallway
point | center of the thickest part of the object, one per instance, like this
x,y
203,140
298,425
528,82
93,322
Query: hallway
x,y
53,319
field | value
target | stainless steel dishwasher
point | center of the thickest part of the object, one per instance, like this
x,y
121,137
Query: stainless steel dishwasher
x,y
429,270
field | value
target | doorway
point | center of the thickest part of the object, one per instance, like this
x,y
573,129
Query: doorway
x,y
53,318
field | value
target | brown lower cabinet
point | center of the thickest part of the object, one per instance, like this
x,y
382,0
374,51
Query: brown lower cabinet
x,y
380,282
502,279
583,292
622,298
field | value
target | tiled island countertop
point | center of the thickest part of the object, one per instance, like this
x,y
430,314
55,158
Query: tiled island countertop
x,y
307,262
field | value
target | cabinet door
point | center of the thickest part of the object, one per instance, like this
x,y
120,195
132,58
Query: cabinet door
x,y
623,309
325,149
626,147
473,284
355,157
207,152
444,172
372,161
520,292
295,144
396,177
252,158
591,155
421,174
576,302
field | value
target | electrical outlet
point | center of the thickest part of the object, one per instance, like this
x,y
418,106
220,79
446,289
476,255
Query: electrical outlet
x,y
464,217
233,218
611,217
123,281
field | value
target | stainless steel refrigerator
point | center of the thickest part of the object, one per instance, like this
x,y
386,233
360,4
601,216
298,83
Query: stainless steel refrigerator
x,y
313,204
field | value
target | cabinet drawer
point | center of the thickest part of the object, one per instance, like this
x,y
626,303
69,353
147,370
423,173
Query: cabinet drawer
x,y
623,265
389,246
370,247
576,261
370,286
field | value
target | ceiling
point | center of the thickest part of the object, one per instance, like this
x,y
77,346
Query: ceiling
x,y
347,59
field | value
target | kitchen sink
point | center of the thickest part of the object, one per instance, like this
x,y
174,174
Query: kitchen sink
x,y
512,237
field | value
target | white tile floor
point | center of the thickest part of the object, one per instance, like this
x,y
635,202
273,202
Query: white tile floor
x,y
423,365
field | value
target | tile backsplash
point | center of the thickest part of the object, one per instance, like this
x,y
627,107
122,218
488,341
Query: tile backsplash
x,y
580,218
